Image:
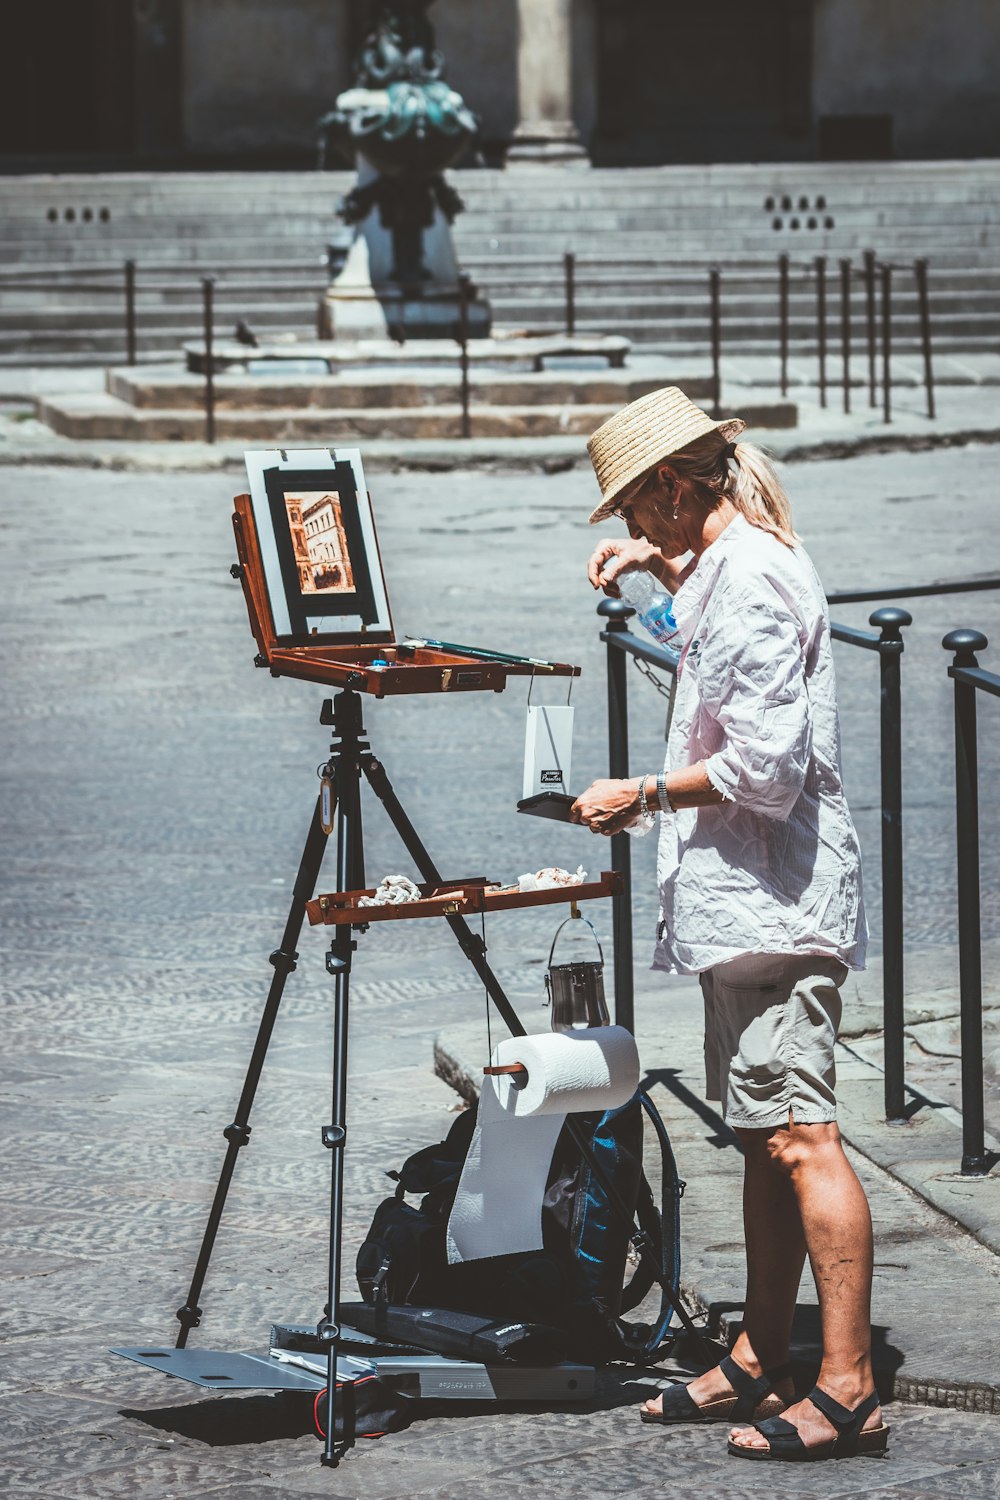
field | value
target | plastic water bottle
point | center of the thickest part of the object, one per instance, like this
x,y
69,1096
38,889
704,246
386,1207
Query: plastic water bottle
x,y
653,606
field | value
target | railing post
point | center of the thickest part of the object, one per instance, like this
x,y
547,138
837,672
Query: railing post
x,y
920,271
130,312
889,622
569,270
869,264
783,319
207,296
463,349
715,314
886,341
615,614
820,267
965,643
845,329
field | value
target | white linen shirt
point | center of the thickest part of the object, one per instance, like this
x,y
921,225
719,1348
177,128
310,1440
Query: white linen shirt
x,y
776,868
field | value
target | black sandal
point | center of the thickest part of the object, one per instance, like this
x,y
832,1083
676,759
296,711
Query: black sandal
x,y
750,1394
784,1441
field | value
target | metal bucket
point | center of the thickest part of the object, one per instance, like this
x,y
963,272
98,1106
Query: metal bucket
x,y
576,990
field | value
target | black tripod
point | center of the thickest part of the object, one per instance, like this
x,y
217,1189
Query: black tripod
x,y
350,756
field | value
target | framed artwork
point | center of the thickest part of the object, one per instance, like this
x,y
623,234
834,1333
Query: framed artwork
x,y
316,532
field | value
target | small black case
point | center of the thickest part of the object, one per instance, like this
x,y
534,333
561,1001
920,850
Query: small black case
x,y
555,805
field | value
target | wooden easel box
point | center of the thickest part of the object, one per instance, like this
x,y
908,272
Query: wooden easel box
x,y
344,659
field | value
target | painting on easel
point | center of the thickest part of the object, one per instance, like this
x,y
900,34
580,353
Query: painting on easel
x,y
318,546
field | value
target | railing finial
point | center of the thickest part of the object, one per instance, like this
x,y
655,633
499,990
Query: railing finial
x,y
616,612
890,620
965,643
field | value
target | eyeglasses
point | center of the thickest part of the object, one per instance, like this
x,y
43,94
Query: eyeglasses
x,y
623,513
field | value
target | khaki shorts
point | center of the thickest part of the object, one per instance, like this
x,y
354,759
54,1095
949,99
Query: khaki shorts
x,y
771,1021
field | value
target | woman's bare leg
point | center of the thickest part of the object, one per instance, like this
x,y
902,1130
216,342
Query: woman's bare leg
x,y
838,1233
775,1248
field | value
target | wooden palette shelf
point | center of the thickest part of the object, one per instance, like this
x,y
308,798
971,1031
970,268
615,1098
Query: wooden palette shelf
x,y
452,898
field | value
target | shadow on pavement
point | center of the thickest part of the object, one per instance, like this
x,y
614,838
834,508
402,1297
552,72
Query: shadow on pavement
x,y
232,1420
670,1079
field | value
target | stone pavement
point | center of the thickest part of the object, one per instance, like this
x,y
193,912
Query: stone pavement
x,y
156,792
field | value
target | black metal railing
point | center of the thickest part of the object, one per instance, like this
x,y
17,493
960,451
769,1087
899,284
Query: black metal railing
x,y
874,276
889,645
145,291
969,678
153,283
889,622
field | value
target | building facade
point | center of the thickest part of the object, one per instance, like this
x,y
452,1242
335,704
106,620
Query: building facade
x,y
632,82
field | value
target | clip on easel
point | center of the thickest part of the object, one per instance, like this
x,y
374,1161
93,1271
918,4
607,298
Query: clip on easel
x,y
316,596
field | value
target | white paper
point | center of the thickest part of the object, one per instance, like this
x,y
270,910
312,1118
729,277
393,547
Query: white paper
x,y
498,1206
548,749
260,460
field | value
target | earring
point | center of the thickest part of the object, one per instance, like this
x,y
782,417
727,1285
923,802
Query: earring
x,y
677,511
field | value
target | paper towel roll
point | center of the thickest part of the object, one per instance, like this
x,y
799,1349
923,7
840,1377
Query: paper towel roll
x,y
569,1072
498,1206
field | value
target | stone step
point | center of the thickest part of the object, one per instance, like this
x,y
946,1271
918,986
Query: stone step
x,y
297,312
948,178
957,311
213,238
509,298
166,389
180,282
696,187
630,298
546,279
104,347
107,417
636,320
65,295
285,278
628,207
110,339
219,256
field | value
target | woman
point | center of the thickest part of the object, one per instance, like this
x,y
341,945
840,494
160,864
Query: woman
x,y
760,885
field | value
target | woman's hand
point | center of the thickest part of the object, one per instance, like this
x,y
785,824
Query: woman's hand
x,y
612,557
607,806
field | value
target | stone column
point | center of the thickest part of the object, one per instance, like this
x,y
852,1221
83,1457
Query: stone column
x,y
545,131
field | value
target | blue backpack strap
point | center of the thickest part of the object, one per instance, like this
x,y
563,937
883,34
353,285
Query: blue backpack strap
x,y
669,1241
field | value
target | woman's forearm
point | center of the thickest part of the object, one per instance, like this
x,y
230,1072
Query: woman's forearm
x,y
688,787
608,806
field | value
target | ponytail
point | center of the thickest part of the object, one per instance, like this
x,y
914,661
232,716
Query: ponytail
x,y
758,493
740,472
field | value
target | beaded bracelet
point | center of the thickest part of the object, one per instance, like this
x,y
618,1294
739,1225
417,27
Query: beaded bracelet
x,y
643,804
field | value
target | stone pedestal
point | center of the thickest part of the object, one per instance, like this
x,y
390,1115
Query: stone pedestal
x,y
367,301
545,132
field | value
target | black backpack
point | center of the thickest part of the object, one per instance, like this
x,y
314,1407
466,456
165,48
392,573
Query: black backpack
x,y
597,1203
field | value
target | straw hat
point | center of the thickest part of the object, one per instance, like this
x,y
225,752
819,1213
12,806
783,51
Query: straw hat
x,y
644,433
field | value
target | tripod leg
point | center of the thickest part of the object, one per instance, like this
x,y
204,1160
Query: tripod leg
x,y
238,1133
470,944
334,1135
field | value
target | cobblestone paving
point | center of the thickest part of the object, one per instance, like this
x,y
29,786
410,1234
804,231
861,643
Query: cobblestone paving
x,y
156,792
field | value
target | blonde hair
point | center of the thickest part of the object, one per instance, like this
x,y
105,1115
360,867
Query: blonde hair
x,y
740,472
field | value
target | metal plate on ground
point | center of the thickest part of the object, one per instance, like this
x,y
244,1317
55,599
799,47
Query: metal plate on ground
x,y
430,1376
434,1377
217,1371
